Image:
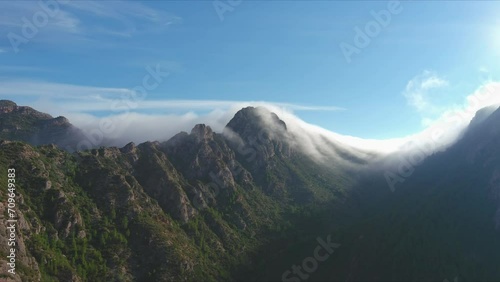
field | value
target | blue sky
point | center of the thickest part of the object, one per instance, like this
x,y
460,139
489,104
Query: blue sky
x,y
427,59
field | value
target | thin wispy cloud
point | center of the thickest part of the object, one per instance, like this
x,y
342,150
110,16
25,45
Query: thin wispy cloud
x,y
161,119
141,127
192,105
78,98
123,10
452,121
92,22
459,115
428,94
418,91
11,69
16,88
16,14
123,18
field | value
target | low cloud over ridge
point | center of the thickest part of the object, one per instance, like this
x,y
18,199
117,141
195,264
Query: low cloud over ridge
x,y
137,126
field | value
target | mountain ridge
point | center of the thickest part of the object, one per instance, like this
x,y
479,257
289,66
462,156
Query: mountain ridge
x,y
202,191
247,203
24,123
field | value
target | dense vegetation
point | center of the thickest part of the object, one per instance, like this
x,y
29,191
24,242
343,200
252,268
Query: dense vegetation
x,y
202,207
89,218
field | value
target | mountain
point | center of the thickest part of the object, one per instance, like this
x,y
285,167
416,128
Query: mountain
x,y
31,126
247,204
199,207
441,223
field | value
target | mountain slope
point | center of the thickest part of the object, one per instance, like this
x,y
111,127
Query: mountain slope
x,y
26,124
247,205
441,223
196,207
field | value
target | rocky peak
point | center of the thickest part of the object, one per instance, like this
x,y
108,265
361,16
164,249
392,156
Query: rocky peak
x,y
178,139
484,126
260,131
250,122
7,106
482,115
61,120
10,108
21,123
202,132
129,148
56,122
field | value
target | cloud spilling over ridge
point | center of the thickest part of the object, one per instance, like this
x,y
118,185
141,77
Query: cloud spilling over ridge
x,y
120,128
322,144
419,88
440,134
445,129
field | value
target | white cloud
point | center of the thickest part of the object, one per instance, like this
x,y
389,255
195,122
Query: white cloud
x,y
123,10
433,82
106,105
78,98
44,89
459,116
134,125
84,106
438,134
418,90
317,142
444,130
141,127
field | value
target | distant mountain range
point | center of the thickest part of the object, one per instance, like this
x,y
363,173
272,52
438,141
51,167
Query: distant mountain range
x,y
36,128
246,204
